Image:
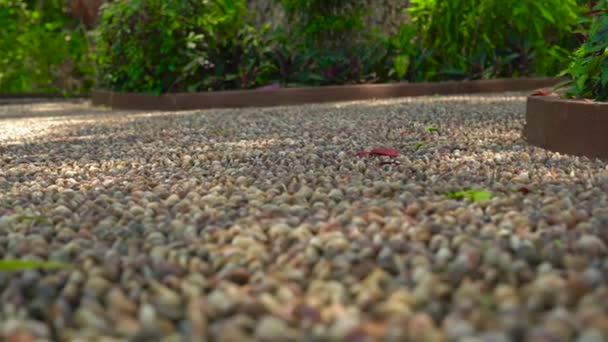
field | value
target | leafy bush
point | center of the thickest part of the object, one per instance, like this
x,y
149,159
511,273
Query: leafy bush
x,y
171,46
326,23
408,57
327,43
471,39
196,45
42,49
589,66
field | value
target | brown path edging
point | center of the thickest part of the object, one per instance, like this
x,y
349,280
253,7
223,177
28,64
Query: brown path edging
x,y
40,96
566,126
23,98
306,95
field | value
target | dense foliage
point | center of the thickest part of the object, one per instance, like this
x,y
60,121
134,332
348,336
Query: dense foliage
x,y
472,39
168,46
196,45
326,42
326,23
43,48
589,66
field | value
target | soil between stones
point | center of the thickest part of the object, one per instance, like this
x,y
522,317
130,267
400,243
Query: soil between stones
x,y
264,224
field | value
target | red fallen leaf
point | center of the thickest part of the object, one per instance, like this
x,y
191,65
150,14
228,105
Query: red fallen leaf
x,y
382,151
541,92
362,154
524,190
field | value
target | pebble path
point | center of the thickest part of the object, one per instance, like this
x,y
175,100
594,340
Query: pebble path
x,y
265,225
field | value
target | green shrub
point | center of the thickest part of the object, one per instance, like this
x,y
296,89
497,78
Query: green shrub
x,y
326,23
195,45
589,66
326,42
472,39
180,45
42,49
408,58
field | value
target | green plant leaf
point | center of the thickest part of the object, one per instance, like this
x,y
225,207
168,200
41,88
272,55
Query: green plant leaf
x,y
419,144
16,265
33,218
473,195
431,129
401,64
544,11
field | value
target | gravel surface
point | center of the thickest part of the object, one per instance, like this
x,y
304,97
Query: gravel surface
x,y
264,224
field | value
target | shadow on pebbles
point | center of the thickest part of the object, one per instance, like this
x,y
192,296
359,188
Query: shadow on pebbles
x,y
264,224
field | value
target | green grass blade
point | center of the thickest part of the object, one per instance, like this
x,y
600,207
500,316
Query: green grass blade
x,y
431,129
16,265
473,195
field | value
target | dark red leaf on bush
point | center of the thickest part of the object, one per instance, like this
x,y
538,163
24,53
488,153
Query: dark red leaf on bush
x,y
541,92
389,152
362,153
524,190
593,12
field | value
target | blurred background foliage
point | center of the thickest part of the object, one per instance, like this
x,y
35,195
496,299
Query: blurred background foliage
x,y
43,48
588,68
159,46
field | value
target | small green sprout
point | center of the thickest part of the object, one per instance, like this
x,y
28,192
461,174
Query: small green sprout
x,y
487,300
473,195
16,265
431,129
33,218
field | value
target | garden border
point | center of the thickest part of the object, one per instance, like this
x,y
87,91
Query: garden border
x,y
22,98
5,96
306,95
576,127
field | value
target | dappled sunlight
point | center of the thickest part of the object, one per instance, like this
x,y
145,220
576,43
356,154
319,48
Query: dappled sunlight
x,y
120,186
361,175
33,121
258,143
49,106
23,122
37,122
48,109
465,99
16,131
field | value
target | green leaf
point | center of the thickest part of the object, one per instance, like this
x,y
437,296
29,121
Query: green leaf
x,y
401,64
419,144
33,218
231,77
604,77
431,129
16,265
510,58
473,195
544,12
